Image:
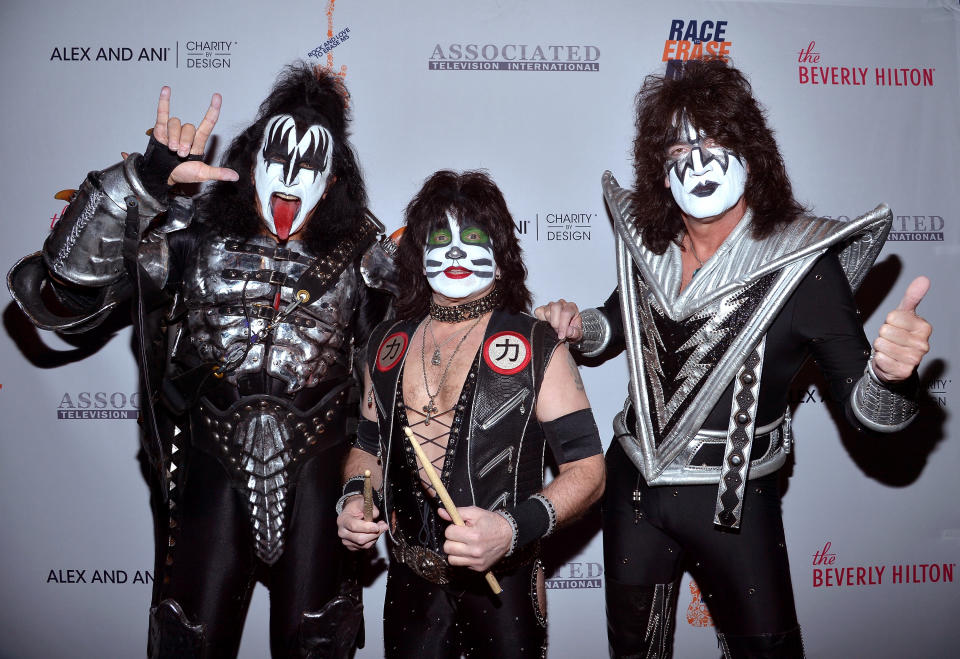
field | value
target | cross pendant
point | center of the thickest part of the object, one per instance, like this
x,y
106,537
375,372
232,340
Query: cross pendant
x,y
431,409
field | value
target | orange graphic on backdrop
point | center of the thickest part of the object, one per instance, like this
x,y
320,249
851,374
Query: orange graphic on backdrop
x,y
697,613
342,73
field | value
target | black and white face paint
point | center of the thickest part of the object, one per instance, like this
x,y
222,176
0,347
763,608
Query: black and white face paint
x,y
291,173
706,179
459,260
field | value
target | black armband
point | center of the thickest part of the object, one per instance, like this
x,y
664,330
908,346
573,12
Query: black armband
x,y
573,436
368,437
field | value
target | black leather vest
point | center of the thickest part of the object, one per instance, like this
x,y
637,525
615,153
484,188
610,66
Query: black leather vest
x,y
496,459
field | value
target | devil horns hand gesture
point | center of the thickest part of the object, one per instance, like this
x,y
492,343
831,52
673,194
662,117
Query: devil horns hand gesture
x,y
902,340
187,140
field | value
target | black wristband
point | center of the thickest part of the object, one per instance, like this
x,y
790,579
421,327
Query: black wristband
x,y
368,436
533,521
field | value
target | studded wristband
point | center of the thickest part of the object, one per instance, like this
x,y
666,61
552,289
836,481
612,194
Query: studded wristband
x,y
882,407
535,518
551,512
352,488
515,532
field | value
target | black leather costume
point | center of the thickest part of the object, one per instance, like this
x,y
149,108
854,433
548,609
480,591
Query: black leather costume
x,y
253,390
494,459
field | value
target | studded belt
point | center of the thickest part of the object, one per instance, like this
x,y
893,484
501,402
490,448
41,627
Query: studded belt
x,y
433,567
425,563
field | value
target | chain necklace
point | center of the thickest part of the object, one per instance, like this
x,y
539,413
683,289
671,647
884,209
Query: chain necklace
x,y
468,310
431,407
693,250
435,360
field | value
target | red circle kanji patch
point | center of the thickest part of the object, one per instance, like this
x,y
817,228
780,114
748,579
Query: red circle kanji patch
x,y
507,352
391,351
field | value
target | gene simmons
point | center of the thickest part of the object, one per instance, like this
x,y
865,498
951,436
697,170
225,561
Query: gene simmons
x,y
262,288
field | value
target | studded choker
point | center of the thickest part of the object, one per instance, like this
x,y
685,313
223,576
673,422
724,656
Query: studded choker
x,y
467,310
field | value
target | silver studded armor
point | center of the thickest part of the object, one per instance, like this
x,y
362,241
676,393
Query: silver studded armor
x,y
284,364
236,294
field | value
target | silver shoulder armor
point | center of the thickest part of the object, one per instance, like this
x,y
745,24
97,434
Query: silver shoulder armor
x,y
878,407
596,333
29,276
377,266
26,281
85,246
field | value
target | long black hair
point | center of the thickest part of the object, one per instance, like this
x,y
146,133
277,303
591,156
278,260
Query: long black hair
x,y
311,95
718,99
469,197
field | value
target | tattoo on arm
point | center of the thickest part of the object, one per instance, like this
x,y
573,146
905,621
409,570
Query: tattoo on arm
x,y
575,372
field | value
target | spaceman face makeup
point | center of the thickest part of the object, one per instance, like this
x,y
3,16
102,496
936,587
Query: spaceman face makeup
x,y
459,260
705,178
291,173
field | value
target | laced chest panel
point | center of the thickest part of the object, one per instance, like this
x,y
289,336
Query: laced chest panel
x,y
237,294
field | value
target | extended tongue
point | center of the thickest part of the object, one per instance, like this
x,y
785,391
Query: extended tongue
x,y
284,212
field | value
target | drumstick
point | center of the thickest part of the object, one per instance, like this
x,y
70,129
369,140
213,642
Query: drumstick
x,y
445,499
367,497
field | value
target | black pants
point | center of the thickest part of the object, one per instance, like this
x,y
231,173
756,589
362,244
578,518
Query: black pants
x,y
422,620
210,568
743,575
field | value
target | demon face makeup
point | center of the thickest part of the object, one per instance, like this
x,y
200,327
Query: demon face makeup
x,y
706,179
459,260
291,173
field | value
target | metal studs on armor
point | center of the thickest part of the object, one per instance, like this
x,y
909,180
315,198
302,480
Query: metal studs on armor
x,y
743,418
331,414
747,379
736,460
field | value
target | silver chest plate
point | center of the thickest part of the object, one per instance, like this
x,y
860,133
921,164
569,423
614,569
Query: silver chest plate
x,y
233,294
684,349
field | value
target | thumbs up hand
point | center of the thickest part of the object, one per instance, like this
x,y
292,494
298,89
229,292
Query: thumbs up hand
x,y
902,340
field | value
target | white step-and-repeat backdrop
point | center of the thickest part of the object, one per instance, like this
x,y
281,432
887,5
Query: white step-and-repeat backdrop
x,y
864,101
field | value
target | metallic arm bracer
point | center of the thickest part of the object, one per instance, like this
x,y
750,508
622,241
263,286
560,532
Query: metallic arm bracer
x,y
596,333
85,246
879,407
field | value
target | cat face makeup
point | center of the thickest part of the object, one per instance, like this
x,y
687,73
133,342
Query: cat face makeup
x,y
459,260
291,173
706,179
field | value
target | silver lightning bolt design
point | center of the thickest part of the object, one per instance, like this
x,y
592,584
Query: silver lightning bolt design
x,y
701,342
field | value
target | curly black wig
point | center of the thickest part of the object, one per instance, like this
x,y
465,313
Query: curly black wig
x,y
718,99
311,95
471,196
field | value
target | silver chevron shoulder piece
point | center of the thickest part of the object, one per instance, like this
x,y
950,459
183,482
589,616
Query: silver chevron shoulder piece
x,y
684,349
